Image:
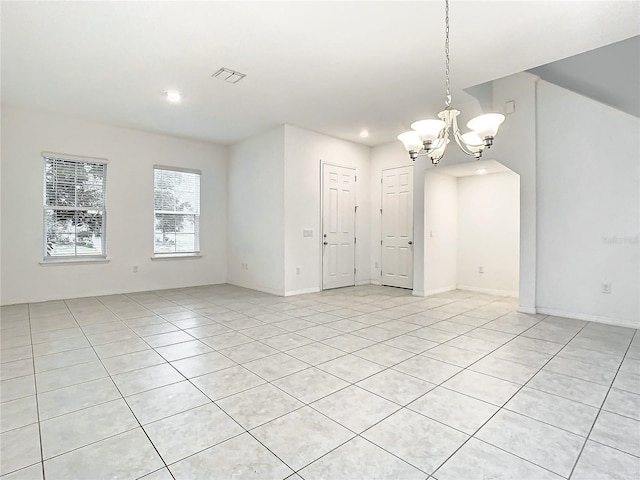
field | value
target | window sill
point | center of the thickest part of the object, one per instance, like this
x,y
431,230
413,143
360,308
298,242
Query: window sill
x,y
176,256
68,261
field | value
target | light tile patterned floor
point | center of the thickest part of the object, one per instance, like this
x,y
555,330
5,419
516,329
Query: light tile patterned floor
x,y
220,382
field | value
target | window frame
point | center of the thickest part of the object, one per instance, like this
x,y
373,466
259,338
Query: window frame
x,y
75,258
177,254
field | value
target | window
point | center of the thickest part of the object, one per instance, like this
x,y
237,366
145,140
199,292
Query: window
x,y
177,211
74,206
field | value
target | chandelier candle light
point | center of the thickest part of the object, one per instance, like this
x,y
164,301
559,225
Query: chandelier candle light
x,y
430,137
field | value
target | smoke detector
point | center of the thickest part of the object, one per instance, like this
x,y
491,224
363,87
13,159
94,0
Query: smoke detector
x,y
228,75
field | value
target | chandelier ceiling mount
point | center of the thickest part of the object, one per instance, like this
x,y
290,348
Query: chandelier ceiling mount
x,y
430,137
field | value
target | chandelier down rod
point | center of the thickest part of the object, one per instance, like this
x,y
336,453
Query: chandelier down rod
x,y
430,137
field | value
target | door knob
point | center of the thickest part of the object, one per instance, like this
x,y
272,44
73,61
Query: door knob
x,y
410,242
325,243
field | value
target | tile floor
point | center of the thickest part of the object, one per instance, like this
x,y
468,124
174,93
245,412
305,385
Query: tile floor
x,y
220,382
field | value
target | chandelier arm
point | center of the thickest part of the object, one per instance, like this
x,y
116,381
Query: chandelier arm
x,y
464,146
436,148
414,155
423,153
442,137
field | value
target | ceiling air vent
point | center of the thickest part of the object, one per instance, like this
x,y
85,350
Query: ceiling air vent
x,y
228,75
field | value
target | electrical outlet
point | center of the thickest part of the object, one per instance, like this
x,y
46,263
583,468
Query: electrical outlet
x,y
307,232
606,288
298,270
480,269
135,269
377,265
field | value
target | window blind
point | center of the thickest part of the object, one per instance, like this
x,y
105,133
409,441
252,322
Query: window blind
x,y
74,207
177,210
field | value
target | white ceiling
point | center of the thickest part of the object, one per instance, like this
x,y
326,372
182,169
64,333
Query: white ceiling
x,y
608,74
468,169
332,67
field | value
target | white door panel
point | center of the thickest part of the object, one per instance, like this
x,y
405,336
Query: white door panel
x,y
338,226
397,227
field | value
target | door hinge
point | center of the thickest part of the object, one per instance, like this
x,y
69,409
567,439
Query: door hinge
x,y
380,211
355,239
380,272
380,179
354,271
356,208
355,178
380,242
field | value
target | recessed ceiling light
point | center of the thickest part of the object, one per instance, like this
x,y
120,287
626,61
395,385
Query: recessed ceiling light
x,y
482,171
173,96
364,134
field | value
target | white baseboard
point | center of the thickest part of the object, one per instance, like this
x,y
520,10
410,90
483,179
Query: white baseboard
x,y
364,282
375,282
418,293
279,293
438,290
526,309
618,322
45,296
489,291
301,291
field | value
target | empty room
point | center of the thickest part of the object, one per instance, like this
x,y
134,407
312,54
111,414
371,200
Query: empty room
x,y
320,240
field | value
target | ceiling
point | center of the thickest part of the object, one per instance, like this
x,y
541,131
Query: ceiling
x,y
468,169
331,67
610,74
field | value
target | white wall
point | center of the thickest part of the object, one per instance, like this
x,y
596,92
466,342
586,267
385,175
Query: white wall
x,y
596,202
274,194
441,232
515,147
588,208
131,155
304,153
256,213
489,232
394,155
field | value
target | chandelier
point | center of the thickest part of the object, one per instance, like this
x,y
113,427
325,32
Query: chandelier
x,y
430,137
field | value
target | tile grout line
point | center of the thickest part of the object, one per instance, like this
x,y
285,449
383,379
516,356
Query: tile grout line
x,y
225,412
315,341
195,386
121,396
391,414
35,387
604,400
505,403
541,368
321,342
304,404
166,361
354,384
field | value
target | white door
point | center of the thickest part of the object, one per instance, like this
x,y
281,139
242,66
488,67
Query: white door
x,y
338,226
397,227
